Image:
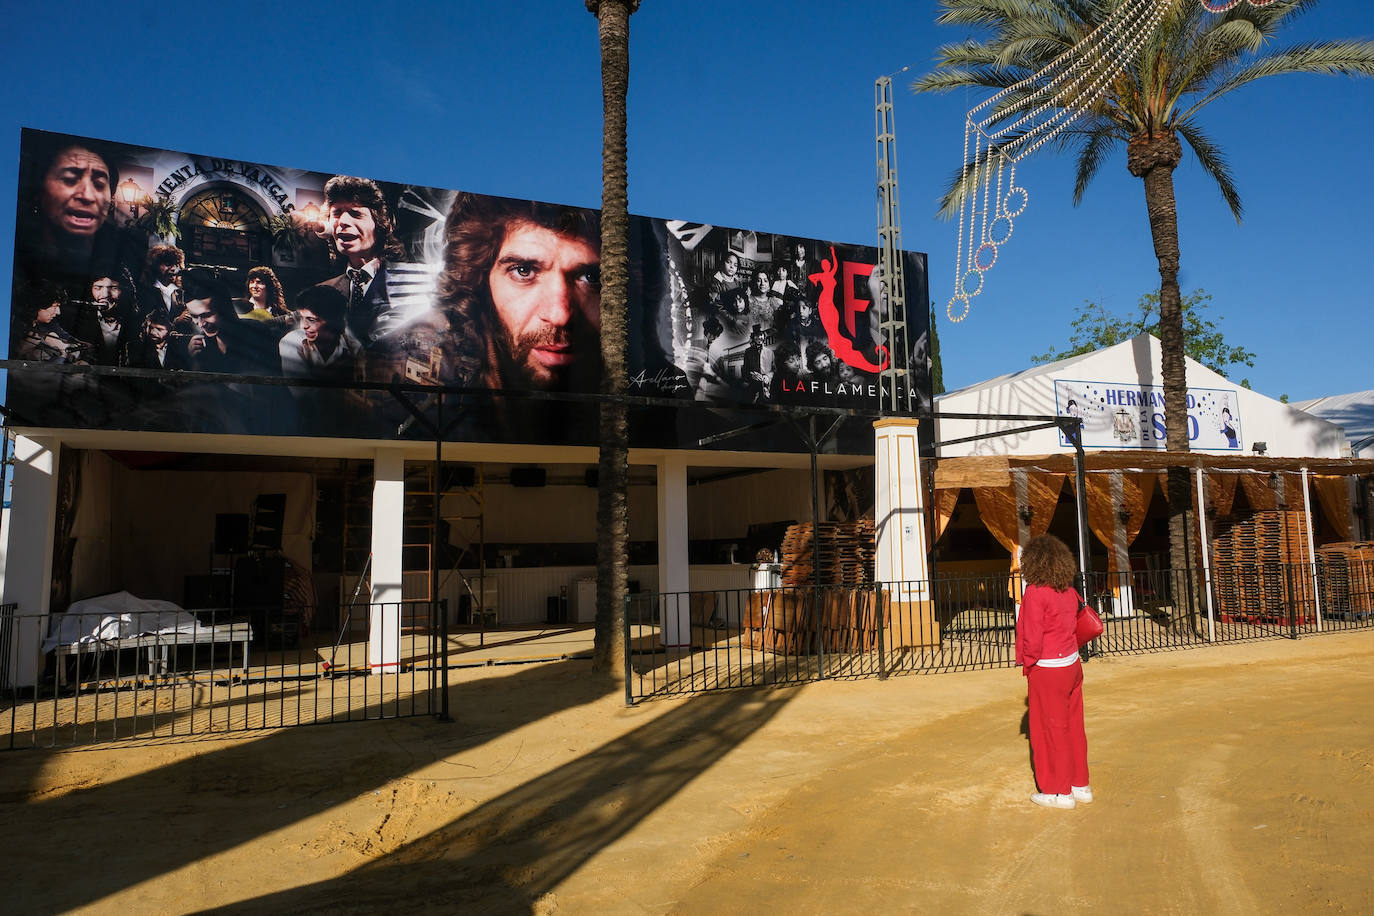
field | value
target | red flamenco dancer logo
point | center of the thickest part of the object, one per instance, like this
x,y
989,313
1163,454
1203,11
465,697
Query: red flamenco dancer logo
x,y
842,345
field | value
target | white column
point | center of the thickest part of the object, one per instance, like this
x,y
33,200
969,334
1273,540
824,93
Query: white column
x,y
1311,549
388,536
899,509
26,566
672,551
1125,592
1206,553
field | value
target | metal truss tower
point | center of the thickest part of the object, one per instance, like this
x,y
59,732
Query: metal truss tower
x,y
894,381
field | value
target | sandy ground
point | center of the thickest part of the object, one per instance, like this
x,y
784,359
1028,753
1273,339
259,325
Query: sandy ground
x,y
1236,779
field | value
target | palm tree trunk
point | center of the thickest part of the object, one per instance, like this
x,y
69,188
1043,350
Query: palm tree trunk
x,y
613,466
1153,158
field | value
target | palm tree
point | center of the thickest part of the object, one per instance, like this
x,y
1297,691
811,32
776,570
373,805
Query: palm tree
x,y
1193,58
159,218
613,465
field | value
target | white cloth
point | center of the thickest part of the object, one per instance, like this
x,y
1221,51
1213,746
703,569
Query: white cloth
x,y
114,616
295,364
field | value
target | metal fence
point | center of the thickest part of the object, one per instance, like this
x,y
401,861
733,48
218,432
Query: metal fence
x,y
146,675
691,642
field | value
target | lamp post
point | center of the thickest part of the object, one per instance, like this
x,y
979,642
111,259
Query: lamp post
x,y
131,194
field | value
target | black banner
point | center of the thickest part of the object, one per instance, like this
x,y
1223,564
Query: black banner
x,y
145,258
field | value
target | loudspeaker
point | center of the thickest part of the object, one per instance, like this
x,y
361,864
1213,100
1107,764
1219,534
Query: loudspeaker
x,y
527,477
269,517
231,533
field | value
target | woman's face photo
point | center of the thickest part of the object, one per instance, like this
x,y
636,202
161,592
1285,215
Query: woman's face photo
x,y
75,196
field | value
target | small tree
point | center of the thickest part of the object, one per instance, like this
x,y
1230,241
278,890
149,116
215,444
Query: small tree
x,y
1095,328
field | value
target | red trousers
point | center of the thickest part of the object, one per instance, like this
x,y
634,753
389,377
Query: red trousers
x,y
1059,743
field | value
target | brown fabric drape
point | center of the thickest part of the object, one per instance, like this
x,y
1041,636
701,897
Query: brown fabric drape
x,y
944,510
1136,492
997,506
1333,495
1258,493
1221,493
1042,495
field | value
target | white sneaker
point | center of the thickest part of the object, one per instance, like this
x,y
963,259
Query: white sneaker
x,y
1082,794
1046,800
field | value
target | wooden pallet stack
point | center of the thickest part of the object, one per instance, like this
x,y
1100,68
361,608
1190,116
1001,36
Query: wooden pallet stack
x,y
1350,579
782,620
844,552
1254,557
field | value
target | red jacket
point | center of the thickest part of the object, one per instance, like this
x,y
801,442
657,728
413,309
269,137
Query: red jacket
x,y
1046,626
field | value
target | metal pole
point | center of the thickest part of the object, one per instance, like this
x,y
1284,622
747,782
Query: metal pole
x,y
1311,549
812,446
1206,554
1075,435
434,562
629,646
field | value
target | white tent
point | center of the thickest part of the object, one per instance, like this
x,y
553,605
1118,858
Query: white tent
x,y
1119,393
1353,412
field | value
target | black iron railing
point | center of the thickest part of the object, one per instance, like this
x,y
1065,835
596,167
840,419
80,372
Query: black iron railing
x,y
140,675
690,642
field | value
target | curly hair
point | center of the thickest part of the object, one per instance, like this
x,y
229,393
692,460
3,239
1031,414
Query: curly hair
x,y
33,298
276,299
473,234
366,193
165,254
1047,561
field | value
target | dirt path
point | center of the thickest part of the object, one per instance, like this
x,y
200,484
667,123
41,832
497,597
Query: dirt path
x,y
1229,780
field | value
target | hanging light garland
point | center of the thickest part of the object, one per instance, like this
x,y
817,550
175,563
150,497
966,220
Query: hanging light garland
x,y
1018,120
1213,6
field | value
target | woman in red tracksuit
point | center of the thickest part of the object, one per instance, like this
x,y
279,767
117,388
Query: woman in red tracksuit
x,y
1047,651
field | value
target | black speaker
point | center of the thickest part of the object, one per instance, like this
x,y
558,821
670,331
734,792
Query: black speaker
x,y
231,533
269,517
527,477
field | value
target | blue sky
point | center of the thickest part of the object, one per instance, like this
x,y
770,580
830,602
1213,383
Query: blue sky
x,y
757,115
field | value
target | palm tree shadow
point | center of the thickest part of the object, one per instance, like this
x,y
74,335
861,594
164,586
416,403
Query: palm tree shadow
x,y
503,856
1025,732
239,788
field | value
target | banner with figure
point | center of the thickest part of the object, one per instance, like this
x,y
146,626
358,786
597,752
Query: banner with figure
x,y
165,261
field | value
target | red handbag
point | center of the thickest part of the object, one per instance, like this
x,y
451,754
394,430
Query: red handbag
x,y
1088,626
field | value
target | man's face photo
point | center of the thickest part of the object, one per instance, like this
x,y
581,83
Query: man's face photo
x,y
204,316
546,295
354,230
167,272
157,333
316,329
105,291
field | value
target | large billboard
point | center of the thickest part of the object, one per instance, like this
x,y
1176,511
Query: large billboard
x,y
166,261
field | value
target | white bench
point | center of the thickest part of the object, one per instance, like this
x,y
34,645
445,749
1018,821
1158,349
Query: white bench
x,y
159,646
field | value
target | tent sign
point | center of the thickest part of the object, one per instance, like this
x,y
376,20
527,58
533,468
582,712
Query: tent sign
x,y
1123,415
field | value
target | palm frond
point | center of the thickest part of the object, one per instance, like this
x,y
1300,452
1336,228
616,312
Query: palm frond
x,y
962,180
1351,58
1214,163
1092,152
965,78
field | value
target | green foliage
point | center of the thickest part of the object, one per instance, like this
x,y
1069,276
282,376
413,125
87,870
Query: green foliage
x,y
159,218
1203,341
